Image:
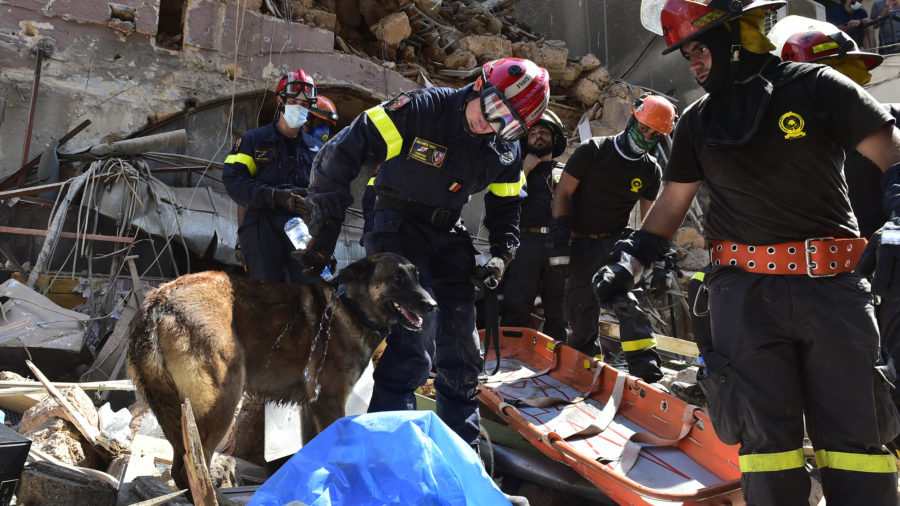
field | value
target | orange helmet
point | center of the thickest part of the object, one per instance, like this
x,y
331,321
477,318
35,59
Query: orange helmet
x,y
815,46
656,112
294,83
514,94
684,20
325,110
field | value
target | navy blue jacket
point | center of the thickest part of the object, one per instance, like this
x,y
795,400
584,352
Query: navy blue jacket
x,y
427,158
264,159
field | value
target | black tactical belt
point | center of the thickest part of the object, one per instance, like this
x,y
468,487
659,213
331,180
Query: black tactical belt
x,y
535,230
439,217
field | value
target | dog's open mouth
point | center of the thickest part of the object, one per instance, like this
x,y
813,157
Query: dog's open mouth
x,y
410,320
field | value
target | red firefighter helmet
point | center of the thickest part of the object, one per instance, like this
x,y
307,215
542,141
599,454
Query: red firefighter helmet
x,y
325,109
656,112
514,94
684,20
294,83
815,46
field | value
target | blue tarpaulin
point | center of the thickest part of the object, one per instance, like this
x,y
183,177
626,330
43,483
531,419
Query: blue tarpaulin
x,y
394,457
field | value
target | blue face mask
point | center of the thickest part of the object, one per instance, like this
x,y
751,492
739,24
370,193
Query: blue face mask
x,y
321,132
295,115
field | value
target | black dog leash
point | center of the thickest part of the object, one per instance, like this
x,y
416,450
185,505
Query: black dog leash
x,y
492,325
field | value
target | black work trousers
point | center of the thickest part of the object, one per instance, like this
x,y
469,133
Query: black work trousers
x,y
538,269
789,347
581,308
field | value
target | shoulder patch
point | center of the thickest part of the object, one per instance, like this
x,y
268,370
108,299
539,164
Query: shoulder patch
x,y
237,145
397,102
508,157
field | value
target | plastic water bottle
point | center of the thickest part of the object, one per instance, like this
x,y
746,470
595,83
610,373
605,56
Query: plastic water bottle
x,y
297,232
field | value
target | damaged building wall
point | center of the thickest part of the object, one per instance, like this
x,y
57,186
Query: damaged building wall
x,y
109,63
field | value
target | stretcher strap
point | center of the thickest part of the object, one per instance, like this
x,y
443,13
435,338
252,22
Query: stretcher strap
x,y
602,421
543,401
688,420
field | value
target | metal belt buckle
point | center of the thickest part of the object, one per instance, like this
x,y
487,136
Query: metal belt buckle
x,y
810,250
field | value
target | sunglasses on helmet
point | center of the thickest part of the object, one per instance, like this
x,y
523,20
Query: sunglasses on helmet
x,y
503,119
293,89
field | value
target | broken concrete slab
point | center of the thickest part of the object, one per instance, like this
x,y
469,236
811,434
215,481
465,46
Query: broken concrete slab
x,y
45,483
49,408
392,29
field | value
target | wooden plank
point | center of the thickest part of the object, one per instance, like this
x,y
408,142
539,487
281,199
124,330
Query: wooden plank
x,y
120,385
202,490
70,235
663,342
84,427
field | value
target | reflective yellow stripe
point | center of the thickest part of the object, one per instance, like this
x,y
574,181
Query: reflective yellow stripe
x,y
860,462
640,344
371,181
818,48
508,189
244,159
699,275
763,462
387,129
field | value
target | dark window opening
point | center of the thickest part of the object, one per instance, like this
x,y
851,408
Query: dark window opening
x,y
170,31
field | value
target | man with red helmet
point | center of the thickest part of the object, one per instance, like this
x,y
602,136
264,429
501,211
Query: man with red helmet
x,y
599,187
436,147
539,268
830,46
794,338
266,173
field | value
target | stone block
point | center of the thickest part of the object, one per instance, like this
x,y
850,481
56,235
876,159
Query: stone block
x,y
45,483
524,50
598,75
461,60
392,29
48,408
589,61
486,47
616,112
60,439
586,91
552,55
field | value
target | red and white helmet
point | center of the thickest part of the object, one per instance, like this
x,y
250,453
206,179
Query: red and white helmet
x,y
815,46
514,94
684,20
295,83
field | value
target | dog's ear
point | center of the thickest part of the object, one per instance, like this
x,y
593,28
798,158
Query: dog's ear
x,y
359,270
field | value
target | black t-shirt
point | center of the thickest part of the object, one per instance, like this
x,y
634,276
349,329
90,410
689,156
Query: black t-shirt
x,y
609,185
864,183
536,208
786,183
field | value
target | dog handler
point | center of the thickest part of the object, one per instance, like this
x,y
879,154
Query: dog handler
x,y
793,330
266,171
436,147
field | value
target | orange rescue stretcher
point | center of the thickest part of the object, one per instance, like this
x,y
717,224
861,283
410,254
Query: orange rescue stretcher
x,y
636,443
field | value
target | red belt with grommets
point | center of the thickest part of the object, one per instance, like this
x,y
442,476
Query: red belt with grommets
x,y
816,257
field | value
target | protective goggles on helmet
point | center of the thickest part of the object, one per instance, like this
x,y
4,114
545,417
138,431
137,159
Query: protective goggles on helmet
x,y
497,112
293,89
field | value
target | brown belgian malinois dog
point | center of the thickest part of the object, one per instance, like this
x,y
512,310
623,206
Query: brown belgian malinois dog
x,y
210,335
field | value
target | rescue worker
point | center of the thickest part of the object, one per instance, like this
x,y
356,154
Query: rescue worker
x,y
793,329
267,173
436,146
323,117
601,182
837,50
539,268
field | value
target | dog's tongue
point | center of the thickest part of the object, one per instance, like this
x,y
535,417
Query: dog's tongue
x,y
412,317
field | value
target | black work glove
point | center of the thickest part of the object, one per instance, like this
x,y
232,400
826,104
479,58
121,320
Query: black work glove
x,y
627,261
318,253
560,231
880,260
660,278
291,199
490,274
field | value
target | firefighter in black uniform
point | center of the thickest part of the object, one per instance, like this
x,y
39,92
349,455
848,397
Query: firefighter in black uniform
x,y
539,267
602,180
266,173
436,146
794,336
837,50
